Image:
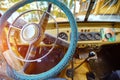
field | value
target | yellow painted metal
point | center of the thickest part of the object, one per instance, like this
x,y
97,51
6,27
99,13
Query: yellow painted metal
x,y
80,73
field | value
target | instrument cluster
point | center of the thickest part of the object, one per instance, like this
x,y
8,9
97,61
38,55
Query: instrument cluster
x,y
89,36
92,35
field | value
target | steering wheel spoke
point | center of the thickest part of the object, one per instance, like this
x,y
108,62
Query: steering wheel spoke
x,y
14,30
29,56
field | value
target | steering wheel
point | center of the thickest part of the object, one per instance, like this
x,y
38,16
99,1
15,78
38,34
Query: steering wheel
x,y
60,66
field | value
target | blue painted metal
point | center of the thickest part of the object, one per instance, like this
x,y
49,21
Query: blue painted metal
x,y
60,66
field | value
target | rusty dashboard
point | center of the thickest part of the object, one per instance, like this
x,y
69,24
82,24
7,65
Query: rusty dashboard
x,y
91,34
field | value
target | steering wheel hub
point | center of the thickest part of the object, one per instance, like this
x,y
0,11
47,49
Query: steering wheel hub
x,y
30,32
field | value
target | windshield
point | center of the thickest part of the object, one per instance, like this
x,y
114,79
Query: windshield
x,y
83,10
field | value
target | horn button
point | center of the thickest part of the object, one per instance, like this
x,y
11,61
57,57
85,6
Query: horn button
x,y
30,32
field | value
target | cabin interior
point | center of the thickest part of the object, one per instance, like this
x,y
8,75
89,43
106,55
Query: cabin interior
x,y
32,50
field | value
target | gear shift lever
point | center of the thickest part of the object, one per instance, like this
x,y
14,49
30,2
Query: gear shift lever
x,y
70,71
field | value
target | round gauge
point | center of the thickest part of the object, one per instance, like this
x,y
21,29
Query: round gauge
x,y
108,35
97,36
89,36
63,35
82,36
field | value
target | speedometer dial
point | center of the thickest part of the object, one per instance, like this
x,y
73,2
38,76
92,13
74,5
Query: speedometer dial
x,y
89,36
63,35
82,36
97,36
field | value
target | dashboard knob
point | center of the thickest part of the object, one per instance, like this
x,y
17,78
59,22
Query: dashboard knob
x,y
92,54
108,35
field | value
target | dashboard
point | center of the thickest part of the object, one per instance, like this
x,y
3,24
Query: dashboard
x,y
91,34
